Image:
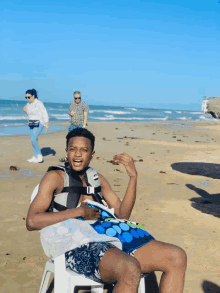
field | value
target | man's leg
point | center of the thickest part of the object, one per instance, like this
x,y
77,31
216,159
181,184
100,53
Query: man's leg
x,y
118,267
74,127
167,258
71,127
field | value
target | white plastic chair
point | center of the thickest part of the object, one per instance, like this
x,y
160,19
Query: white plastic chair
x,y
64,282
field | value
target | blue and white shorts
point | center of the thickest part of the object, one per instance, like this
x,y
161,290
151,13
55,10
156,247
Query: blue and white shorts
x,y
85,259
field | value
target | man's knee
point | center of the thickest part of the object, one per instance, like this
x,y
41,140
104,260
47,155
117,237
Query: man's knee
x,y
133,269
118,266
178,257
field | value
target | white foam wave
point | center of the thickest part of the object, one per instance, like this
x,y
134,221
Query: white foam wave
x,y
183,118
115,118
168,112
13,118
61,116
110,117
179,112
163,119
196,113
133,109
205,118
12,125
110,112
52,109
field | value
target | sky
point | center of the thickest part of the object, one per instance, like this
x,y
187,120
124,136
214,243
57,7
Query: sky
x,y
154,54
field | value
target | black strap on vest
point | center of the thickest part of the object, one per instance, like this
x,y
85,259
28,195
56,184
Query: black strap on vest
x,y
75,189
89,190
73,195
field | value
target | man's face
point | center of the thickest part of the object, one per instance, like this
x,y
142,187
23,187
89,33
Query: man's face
x,y
77,98
79,153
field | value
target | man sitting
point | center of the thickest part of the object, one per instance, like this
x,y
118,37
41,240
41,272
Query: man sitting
x,y
105,262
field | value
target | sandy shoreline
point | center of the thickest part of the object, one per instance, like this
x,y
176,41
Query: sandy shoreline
x,y
178,171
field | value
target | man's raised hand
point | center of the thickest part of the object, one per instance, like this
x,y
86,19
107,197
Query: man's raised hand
x,y
128,162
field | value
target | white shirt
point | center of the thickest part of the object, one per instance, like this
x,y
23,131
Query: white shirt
x,y
37,111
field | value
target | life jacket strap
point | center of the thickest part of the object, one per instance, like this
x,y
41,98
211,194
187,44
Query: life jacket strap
x,y
59,207
82,190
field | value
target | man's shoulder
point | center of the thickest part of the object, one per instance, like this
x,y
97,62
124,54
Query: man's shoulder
x,y
84,105
55,177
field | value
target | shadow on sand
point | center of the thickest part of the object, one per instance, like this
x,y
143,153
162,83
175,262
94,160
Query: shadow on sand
x,y
206,202
209,287
202,169
47,151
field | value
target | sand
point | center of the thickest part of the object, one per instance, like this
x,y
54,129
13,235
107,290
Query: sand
x,y
177,197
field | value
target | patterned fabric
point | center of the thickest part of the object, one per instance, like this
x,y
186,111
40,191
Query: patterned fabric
x,y
131,234
85,260
79,110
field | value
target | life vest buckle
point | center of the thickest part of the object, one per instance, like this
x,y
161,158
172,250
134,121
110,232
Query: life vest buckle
x,y
90,189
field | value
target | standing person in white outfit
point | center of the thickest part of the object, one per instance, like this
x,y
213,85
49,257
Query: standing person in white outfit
x,y
37,120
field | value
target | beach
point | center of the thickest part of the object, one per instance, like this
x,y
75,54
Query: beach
x,y
178,199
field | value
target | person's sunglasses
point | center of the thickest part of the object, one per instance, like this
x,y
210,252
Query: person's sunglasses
x,y
77,98
27,97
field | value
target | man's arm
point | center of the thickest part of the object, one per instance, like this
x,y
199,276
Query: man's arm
x,y
71,109
122,209
85,119
38,218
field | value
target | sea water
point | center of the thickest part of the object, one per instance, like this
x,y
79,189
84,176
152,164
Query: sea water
x,y
13,120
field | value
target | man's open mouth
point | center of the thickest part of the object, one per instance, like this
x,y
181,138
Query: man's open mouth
x,y
77,162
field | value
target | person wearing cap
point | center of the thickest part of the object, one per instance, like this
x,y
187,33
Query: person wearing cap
x,y
78,110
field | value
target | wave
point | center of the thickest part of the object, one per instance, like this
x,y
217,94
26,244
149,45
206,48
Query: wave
x,y
179,112
133,109
59,110
110,112
14,124
60,116
168,112
202,117
13,118
110,117
196,113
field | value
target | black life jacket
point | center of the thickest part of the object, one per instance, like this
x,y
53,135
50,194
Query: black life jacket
x,y
73,188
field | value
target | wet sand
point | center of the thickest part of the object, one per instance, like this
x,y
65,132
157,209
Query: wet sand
x,y
178,198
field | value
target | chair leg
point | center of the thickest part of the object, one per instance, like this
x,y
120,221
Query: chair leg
x,y
45,281
141,288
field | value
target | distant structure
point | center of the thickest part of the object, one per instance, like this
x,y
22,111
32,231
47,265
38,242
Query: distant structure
x,y
205,102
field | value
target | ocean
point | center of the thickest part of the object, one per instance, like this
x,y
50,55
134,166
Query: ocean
x,y
14,121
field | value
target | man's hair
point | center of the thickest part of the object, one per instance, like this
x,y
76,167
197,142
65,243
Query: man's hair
x,y
82,132
77,92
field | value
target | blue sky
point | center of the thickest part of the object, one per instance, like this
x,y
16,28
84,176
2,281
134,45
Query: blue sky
x,y
162,54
